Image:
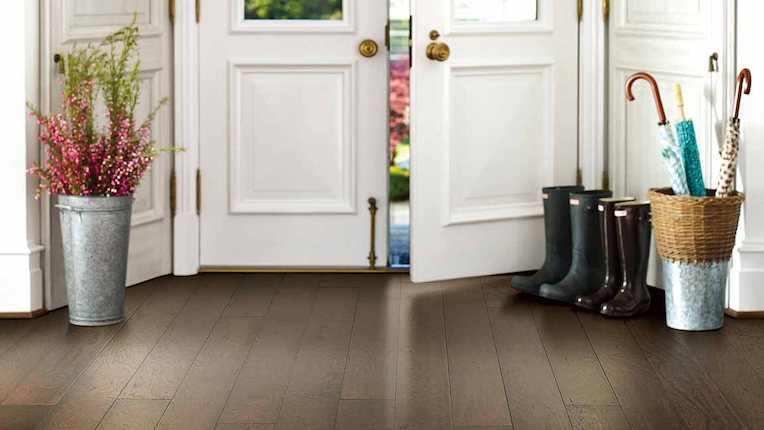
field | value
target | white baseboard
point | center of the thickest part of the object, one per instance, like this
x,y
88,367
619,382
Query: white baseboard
x,y
746,293
21,280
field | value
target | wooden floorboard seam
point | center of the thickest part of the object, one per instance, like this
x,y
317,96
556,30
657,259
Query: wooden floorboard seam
x,y
155,344
498,360
448,365
602,367
546,353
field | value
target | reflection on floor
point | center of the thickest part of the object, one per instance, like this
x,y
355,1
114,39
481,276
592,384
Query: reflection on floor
x,y
372,352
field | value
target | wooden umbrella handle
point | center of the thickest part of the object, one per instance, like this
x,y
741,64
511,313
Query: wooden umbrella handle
x,y
656,93
745,74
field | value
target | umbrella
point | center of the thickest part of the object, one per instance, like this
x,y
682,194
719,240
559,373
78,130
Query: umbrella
x,y
685,133
672,154
732,141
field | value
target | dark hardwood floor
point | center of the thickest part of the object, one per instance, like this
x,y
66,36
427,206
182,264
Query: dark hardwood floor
x,y
357,352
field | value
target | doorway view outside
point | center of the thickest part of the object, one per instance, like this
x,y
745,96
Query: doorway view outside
x,y
399,133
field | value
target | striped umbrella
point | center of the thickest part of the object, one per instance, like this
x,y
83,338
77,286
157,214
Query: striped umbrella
x,y
685,132
671,152
732,141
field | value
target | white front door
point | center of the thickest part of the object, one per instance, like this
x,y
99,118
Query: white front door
x,y
293,133
491,126
672,41
89,21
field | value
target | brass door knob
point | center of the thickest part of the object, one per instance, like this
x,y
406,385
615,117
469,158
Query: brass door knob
x,y
438,51
368,48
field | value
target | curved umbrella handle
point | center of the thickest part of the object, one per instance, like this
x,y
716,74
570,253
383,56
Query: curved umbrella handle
x,y
656,93
745,74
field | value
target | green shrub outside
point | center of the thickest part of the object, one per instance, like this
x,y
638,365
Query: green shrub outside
x,y
399,184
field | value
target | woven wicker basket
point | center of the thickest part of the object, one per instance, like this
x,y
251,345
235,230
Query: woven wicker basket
x,y
694,229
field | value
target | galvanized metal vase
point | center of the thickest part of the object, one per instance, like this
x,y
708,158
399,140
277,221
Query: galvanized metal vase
x,y
695,294
95,233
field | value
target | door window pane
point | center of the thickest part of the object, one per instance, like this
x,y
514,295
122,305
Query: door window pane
x,y
495,10
330,10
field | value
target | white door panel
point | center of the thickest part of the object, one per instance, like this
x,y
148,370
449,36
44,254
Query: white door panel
x,y
491,126
293,138
89,21
672,41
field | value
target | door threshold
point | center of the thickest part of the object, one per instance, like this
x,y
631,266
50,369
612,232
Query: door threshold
x,y
300,270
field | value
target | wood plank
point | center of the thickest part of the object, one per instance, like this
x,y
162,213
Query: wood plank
x,y
245,427
534,398
640,393
597,418
203,393
93,394
163,371
13,330
64,364
18,417
133,414
49,342
696,397
366,414
313,395
483,428
576,368
735,378
253,295
373,354
422,395
748,336
261,386
498,291
355,279
477,390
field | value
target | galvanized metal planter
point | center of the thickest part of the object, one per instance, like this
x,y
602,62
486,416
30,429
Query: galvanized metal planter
x,y
95,233
695,294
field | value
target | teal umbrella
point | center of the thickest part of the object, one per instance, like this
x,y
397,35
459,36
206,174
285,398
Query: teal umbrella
x,y
670,151
685,132
732,141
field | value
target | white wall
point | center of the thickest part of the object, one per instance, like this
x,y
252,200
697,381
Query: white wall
x,y
20,250
747,282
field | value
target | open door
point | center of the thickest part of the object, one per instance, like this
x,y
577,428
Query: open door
x,y
491,125
89,21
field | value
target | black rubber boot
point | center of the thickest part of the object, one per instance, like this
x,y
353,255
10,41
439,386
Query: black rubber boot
x,y
633,222
588,267
558,240
613,279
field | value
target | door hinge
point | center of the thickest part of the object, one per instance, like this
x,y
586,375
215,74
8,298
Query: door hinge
x,y
173,194
198,10
605,180
579,177
580,9
198,191
605,9
172,11
387,35
411,43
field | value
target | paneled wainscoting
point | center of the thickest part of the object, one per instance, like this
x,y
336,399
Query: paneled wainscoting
x,y
301,351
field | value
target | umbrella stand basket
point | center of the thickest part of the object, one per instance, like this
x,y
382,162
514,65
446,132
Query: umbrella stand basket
x,y
695,237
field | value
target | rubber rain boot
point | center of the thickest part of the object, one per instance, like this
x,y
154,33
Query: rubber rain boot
x,y
613,279
634,230
558,240
588,267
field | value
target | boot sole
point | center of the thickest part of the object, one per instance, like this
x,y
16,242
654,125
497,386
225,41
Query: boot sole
x,y
639,311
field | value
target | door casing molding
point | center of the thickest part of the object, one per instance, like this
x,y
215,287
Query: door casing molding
x,y
186,245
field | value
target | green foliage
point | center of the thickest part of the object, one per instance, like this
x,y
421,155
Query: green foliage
x,y
399,184
293,9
